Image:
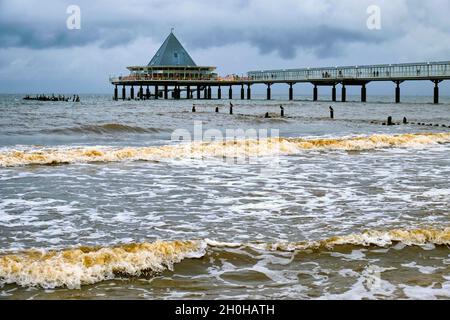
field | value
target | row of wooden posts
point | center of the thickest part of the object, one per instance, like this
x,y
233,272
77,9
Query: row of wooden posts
x,y
389,122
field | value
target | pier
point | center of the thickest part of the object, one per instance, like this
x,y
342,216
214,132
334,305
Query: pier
x,y
172,74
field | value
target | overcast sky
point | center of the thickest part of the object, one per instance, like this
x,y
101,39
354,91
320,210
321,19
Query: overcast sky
x,y
38,53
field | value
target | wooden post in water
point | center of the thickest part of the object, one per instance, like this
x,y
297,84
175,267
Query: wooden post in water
x,y
363,93
344,93
331,112
436,91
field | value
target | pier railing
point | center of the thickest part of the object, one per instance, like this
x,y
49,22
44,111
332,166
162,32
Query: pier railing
x,y
137,78
420,71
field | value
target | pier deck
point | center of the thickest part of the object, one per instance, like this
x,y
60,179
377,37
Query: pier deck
x,y
333,76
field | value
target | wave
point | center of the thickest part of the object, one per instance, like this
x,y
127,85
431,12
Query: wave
x,y
103,129
73,268
233,148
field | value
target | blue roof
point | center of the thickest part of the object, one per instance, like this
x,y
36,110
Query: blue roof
x,y
172,53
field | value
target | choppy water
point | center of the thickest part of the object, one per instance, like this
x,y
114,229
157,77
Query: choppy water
x,y
97,201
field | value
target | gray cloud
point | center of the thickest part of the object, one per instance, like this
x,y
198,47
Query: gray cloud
x,y
236,35
254,22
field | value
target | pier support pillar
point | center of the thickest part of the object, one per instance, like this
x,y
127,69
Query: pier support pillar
x,y
397,92
269,92
188,92
315,93
116,93
132,93
242,92
291,92
363,93
147,93
219,93
124,93
230,93
249,92
436,91
333,93
198,93
141,93
209,92
205,93
156,92
344,93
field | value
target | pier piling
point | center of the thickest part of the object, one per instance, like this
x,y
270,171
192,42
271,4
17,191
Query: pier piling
x,y
315,93
124,93
242,92
344,93
397,92
249,92
436,91
291,92
230,93
363,93
116,93
331,112
219,93
269,93
333,93
132,93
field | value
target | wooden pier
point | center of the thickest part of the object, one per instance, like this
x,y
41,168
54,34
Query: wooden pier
x,y
172,74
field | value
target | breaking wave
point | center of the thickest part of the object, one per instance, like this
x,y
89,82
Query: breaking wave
x,y
238,148
103,129
73,268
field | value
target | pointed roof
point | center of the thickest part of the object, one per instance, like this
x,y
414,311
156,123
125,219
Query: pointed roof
x,y
172,53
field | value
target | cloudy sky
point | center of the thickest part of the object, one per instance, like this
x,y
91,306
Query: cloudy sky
x,y
38,53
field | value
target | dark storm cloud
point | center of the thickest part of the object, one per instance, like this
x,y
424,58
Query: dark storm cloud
x,y
116,25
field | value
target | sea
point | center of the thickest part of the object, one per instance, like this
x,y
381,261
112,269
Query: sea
x,y
106,199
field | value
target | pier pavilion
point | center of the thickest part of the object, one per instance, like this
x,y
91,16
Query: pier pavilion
x,y
173,70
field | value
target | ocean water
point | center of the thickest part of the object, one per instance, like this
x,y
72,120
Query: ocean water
x,y
99,201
